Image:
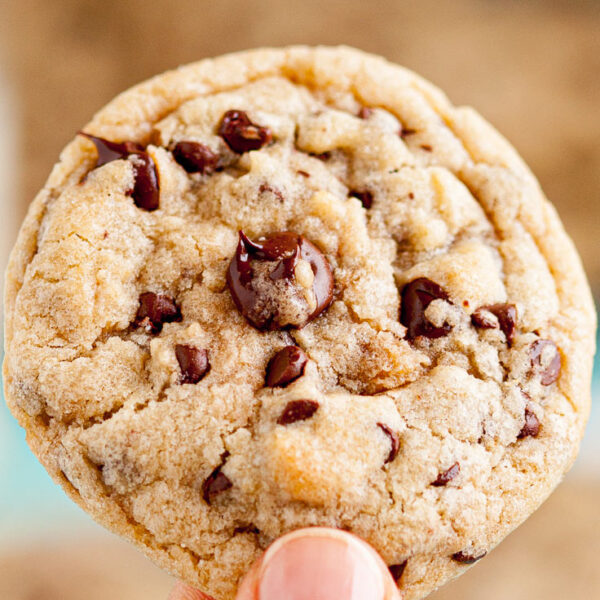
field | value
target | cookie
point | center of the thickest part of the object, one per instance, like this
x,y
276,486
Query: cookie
x,y
298,287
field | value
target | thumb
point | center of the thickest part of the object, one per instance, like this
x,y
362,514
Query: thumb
x,y
319,564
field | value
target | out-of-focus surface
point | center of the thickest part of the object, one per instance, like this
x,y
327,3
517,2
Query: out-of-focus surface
x,y
531,67
97,567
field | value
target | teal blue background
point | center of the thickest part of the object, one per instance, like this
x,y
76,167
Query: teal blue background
x,y
30,502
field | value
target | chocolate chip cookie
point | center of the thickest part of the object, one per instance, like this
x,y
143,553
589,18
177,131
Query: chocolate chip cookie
x,y
298,287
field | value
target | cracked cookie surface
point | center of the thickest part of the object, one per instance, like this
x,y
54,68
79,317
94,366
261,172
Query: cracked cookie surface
x,y
399,343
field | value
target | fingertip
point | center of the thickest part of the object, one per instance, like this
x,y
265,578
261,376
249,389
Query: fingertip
x,y
318,563
248,586
181,591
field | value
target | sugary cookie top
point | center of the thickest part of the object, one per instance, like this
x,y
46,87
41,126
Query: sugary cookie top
x,y
283,305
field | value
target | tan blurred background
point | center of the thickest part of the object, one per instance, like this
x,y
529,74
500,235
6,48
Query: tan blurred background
x,y
531,67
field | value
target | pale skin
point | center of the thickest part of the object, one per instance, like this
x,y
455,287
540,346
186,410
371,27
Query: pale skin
x,y
312,564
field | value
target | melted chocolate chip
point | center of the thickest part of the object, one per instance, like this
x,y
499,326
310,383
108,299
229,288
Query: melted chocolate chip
x,y
427,147
109,151
506,315
365,112
394,440
550,370
467,559
277,300
216,483
193,363
416,297
531,428
145,191
241,134
154,310
303,173
397,570
286,366
447,476
297,410
365,197
195,157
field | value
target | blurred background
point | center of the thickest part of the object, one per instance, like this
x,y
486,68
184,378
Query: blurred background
x,y
531,67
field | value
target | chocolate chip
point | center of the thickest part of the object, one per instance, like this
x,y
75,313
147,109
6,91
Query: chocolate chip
x,y
266,188
394,440
447,476
531,428
484,319
297,410
193,363
246,529
322,155
426,147
467,559
365,112
303,173
154,310
195,157
241,134
216,483
145,191
397,570
263,281
416,297
406,131
550,370
365,197
506,315
286,366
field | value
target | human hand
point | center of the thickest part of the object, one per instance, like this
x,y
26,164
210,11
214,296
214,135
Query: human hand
x,y
312,564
